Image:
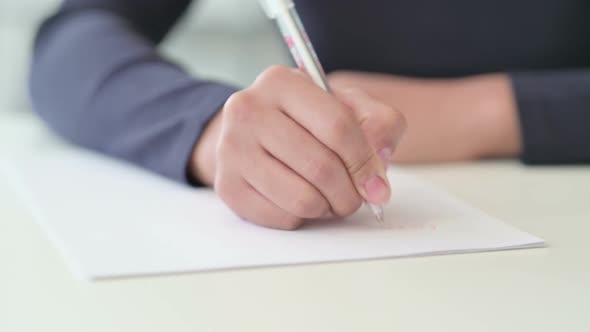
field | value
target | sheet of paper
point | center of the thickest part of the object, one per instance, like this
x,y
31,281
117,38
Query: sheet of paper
x,y
110,219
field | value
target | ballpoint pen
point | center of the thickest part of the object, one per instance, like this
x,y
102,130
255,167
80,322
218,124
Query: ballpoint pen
x,y
285,14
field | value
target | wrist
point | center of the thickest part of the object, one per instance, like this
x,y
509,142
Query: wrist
x,y
493,104
202,166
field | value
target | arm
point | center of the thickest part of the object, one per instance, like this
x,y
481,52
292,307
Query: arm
x,y
97,80
541,117
448,119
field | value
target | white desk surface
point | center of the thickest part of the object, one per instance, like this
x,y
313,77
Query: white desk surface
x,y
528,290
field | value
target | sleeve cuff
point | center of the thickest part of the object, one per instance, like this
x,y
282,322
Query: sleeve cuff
x,y
208,101
554,117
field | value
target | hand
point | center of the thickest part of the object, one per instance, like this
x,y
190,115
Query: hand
x,y
284,151
448,119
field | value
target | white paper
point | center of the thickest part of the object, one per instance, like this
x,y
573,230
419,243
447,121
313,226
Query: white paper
x,y
110,219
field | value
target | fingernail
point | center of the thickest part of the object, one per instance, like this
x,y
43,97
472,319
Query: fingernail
x,y
385,154
377,190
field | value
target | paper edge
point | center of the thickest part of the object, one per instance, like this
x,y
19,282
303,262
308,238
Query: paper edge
x,y
126,276
14,180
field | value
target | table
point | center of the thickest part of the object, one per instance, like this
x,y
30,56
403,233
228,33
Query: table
x,y
527,290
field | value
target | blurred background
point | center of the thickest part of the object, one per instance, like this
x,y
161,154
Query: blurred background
x,y
228,40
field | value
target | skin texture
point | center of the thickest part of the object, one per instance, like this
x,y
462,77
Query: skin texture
x,y
448,119
283,151
278,161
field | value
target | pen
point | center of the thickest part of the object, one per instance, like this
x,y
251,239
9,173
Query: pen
x,y
284,13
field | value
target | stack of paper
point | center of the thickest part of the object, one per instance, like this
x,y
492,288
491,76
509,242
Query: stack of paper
x,y
110,219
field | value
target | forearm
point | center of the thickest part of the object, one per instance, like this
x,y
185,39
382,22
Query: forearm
x,y
98,80
448,119
490,101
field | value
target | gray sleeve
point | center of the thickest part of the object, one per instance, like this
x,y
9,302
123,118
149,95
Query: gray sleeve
x,y
98,81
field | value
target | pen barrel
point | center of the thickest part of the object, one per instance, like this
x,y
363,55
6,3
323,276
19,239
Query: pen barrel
x,y
304,54
300,46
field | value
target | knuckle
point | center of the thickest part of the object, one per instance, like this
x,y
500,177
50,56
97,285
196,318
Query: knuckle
x,y
239,106
381,113
320,170
392,117
308,205
385,126
339,130
276,73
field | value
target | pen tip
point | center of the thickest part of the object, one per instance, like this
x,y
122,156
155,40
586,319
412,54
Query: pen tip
x,y
378,212
380,217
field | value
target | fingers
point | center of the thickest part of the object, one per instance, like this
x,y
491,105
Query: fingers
x,y
382,125
333,124
296,148
288,151
251,206
287,190
280,197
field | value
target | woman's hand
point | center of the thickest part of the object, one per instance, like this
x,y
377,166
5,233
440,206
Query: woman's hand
x,y
448,119
284,151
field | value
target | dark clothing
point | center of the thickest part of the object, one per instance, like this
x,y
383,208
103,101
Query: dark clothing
x,y
97,79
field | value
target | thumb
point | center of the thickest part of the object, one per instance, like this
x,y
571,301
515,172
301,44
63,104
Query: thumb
x,y
363,163
368,174
382,125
